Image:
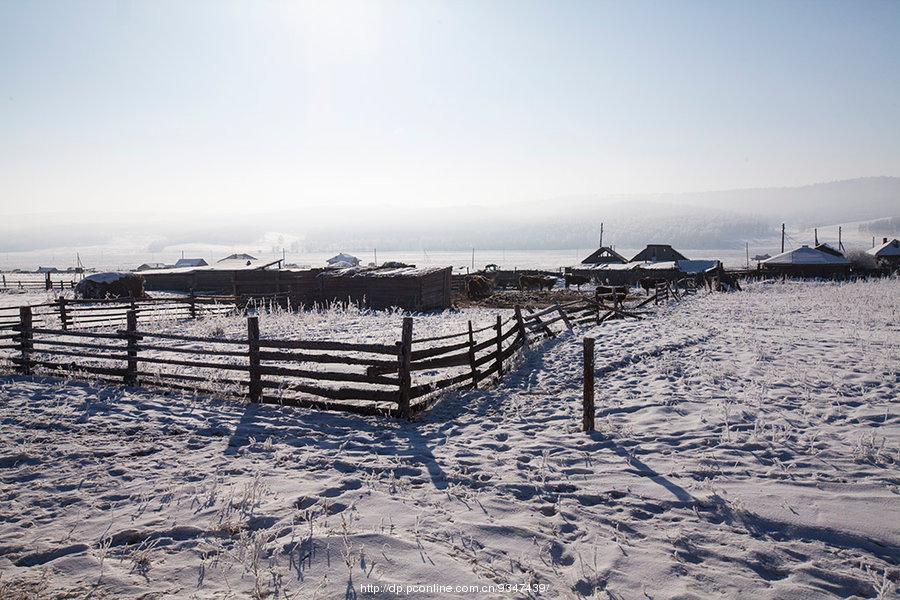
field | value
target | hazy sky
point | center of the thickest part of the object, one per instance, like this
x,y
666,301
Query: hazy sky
x,y
336,105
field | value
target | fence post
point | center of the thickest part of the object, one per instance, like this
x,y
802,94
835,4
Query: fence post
x,y
587,421
63,314
520,323
404,356
472,357
48,285
193,305
26,335
253,342
499,356
564,316
132,348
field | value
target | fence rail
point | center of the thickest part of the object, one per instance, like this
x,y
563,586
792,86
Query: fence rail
x,y
46,284
397,379
67,313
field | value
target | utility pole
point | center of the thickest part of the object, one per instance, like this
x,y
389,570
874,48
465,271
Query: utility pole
x,y
376,257
782,238
601,234
473,260
748,254
816,233
840,241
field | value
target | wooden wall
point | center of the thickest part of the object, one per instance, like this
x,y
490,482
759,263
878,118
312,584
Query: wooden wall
x,y
414,289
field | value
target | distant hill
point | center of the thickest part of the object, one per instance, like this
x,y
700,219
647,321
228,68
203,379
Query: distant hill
x,y
701,220
810,205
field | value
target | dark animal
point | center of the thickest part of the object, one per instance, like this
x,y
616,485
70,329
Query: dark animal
x,y
650,283
529,282
576,280
617,294
101,286
478,286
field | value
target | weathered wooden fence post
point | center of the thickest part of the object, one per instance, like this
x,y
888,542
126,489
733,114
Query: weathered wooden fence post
x,y
498,357
587,421
472,357
132,347
48,285
253,342
26,337
404,358
520,323
63,314
564,316
193,305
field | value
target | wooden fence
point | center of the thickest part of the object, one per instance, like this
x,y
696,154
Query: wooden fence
x,y
36,284
68,314
369,378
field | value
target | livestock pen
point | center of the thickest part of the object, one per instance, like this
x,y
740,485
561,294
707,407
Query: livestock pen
x,y
398,376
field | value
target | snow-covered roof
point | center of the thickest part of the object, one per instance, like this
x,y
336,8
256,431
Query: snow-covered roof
x,y
231,265
608,266
108,277
889,248
685,266
696,266
380,272
806,256
190,262
241,257
343,258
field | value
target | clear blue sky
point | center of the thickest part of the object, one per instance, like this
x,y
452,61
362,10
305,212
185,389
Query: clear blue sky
x,y
261,105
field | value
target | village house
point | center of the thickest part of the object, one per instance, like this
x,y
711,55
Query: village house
x,y
807,262
887,254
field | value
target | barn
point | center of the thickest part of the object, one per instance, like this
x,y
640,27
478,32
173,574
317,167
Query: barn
x,y
807,262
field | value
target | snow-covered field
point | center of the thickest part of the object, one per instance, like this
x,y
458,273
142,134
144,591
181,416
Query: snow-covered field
x,y
748,447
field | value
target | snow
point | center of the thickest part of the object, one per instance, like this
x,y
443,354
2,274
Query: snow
x,y
687,266
405,271
806,256
108,277
747,446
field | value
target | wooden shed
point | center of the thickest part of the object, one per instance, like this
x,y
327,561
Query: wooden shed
x,y
409,288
